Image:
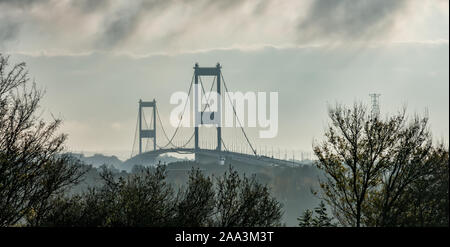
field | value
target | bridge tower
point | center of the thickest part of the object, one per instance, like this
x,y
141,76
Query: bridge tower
x,y
147,133
214,116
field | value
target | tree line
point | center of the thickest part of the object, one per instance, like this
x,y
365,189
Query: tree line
x,y
146,199
377,172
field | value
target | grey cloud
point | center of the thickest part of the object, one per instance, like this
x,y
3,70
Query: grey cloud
x,y
340,20
8,31
124,22
90,5
261,7
118,29
224,5
118,22
22,3
349,19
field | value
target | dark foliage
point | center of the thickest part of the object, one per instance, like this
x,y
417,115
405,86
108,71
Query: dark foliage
x,y
320,219
32,170
383,172
145,199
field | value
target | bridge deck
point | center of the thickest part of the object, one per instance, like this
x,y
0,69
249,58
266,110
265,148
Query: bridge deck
x,y
258,159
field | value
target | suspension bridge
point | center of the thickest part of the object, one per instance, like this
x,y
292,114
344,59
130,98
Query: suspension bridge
x,y
206,150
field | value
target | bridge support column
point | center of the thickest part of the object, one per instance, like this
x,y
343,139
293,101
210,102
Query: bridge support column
x,y
196,106
214,115
140,126
154,124
219,110
147,133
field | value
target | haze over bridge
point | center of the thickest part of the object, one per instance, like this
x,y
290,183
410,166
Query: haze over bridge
x,y
213,152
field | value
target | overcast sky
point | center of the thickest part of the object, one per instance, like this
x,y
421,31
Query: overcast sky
x,y
97,58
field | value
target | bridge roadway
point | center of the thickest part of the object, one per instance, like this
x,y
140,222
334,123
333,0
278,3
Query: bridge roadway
x,y
229,156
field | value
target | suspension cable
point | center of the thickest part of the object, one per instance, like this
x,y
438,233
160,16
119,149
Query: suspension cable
x,y
207,105
179,123
171,140
210,90
160,123
147,127
204,92
212,85
192,136
135,135
237,117
224,146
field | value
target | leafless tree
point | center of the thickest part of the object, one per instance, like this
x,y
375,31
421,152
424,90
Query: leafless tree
x,y
32,166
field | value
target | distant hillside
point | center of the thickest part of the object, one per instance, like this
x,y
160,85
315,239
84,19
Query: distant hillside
x,y
98,160
147,159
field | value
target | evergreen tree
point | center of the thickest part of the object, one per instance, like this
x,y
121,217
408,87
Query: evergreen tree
x,y
321,219
306,220
318,218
